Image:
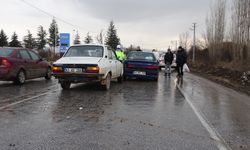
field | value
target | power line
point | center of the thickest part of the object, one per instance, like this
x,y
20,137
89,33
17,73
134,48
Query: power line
x,y
53,16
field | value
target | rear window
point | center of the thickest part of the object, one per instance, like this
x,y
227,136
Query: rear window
x,y
5,52
141,56
85,51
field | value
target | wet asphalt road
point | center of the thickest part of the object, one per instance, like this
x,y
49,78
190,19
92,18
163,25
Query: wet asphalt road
x,y
164,115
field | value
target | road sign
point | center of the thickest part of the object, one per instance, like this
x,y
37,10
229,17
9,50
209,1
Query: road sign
x,y
64,42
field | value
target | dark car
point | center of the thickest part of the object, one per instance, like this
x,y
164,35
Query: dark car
x,y
141,65
20,64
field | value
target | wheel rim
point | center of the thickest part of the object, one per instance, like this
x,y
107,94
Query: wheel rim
x,y
21,77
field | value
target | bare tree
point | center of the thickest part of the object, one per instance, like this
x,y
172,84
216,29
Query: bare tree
x,y
99,37
184,39
215,28
240,27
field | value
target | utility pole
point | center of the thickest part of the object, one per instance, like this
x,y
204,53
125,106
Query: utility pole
x,y
194,44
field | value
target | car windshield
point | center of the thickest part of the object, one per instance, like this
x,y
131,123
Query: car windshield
x,y
5,52
85,51
141,56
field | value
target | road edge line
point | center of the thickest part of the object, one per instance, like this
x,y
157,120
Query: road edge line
x,y
220,142
25,100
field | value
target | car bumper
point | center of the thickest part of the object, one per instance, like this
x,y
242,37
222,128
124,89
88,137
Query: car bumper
x,y
149,74
6,74
162,64
78,78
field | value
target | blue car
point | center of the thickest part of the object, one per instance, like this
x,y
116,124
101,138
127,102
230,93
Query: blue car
x,y
141,65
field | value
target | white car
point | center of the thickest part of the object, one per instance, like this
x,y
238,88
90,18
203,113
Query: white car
x,y
88,63
161,61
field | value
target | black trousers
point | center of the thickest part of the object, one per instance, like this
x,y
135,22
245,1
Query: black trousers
x,y
180,69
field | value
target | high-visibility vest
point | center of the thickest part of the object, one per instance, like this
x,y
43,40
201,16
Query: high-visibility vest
x,y
120,54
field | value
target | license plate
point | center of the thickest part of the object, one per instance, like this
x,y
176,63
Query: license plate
x,y
73,70
139,73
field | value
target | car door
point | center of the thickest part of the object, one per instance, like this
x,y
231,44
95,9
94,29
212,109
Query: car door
x,y
112,63
39,67
28,63
117,64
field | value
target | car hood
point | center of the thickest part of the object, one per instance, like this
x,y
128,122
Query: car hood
x,y
78,60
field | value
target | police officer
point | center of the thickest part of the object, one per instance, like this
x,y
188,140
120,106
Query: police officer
x,y
119,53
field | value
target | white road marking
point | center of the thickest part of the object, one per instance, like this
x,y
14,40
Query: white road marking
x,y
9,99
27,99
220,142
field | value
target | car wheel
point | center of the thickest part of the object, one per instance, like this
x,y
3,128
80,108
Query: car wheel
x,y
48,74
125,78
106,86
65,85
21,77
120,79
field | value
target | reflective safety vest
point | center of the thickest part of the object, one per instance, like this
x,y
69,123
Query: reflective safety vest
x,y
120,55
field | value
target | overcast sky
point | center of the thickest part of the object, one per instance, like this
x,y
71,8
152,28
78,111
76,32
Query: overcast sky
x,y
148,23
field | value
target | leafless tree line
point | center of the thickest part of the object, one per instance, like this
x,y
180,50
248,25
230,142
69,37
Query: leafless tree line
x,y
240,34
237,45
215,31
184,39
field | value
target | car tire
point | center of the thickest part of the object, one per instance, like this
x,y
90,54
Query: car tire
x,y
125,78
48,74
106,86
65,85
120,79
20,78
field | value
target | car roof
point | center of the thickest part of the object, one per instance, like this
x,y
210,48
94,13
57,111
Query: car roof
x,y
17,48
14,48
78,45
141,52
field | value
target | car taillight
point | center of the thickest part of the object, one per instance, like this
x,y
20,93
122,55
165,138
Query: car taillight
x,y
56,69
130,66
153,67
92,69
5,63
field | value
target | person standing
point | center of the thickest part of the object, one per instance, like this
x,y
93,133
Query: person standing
x,y
181,59
168,58
119,53
138,48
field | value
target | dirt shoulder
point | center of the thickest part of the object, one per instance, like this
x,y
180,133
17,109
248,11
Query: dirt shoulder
x,y
223,76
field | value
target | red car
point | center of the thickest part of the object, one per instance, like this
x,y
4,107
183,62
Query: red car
x,y
20,64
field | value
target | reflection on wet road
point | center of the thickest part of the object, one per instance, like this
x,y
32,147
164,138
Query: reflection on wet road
x,y
133,115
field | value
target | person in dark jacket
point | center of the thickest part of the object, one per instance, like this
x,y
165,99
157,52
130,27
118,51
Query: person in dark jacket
x,y
168,58
138,48
181,59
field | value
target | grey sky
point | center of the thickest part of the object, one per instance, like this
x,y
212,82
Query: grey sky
x,y
149,23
